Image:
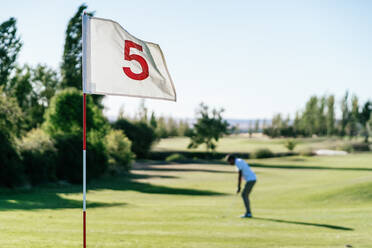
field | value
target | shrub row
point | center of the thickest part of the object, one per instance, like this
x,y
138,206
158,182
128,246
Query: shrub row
x,y
38,158
54,152
140,134
190,155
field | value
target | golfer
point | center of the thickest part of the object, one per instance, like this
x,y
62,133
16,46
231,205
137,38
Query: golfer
x,y
250,179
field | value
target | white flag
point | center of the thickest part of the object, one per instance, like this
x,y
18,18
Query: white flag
x,y
117,63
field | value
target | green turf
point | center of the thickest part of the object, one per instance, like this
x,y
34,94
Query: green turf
x,y
298,202
246,144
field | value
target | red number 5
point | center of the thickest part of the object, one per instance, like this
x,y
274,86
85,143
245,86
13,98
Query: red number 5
x,y
127,56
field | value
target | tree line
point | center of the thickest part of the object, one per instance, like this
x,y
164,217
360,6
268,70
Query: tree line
x,y
319,118
164,127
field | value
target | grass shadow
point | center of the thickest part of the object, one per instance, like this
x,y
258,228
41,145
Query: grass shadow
x,y
49,197
123,184
145,176
306,224
44,200
297,167
162,167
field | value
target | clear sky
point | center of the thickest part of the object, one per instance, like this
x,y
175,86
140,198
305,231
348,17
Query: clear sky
x,y
254,58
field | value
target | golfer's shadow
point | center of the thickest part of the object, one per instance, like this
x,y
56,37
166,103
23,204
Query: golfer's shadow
x,y
306,224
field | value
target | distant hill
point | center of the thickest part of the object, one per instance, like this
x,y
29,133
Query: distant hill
x,y
242,124
245,124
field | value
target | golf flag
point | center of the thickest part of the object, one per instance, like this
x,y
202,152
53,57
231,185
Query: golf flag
x,y
117,63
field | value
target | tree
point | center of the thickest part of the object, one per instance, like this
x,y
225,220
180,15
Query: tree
x,y
290,144
65,114
153,122
33,88
71,68
369,125
310,116
209,128
140,133
161,128
276,126
11,117
364,118
172,127
11,169
38,157
46,82
257,126
10,45
20,86
264,124
183,128
330,119
250,129
118,147
354,117
345,114
63,122
287,129
322,118
143,111
297,124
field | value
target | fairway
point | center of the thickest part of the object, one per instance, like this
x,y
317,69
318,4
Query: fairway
x,y
245,144
297,202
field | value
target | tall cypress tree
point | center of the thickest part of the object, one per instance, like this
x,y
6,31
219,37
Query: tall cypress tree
x,y
10,45
345,114
310,116
369,125
354,117
331,115
322,119
364,116
71,68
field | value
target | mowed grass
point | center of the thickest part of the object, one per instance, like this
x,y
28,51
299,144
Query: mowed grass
x,y
297,202
246,144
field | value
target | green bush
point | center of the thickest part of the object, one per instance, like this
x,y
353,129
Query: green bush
x,y
175,157
346,147
263,153
39,157
70,157
354,147
63,121
11,169
119,150
361,147
65,114
97,157
290,144
11,117
140,133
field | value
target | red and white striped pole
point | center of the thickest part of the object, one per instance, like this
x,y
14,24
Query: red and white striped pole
x,y
84,170
84,72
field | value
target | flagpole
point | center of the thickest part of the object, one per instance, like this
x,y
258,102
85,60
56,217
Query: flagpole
x,y
84,71
84,170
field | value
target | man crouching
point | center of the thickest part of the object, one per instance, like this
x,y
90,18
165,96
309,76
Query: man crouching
x,y
250,179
